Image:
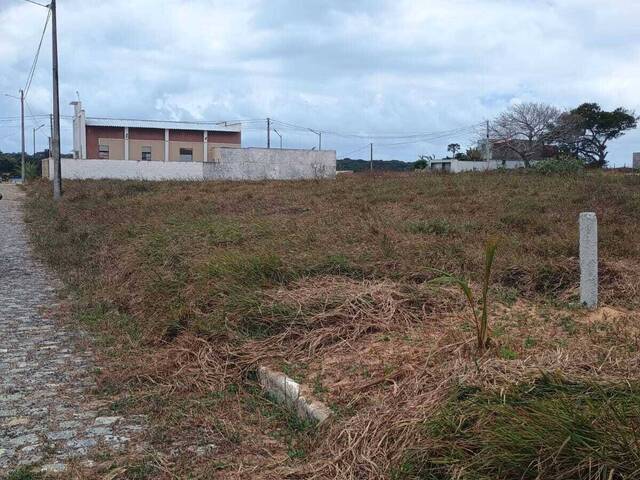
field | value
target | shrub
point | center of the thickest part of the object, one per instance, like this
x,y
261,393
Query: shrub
x,y
561,165
420,164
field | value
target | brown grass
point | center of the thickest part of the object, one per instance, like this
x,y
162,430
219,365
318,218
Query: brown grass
x,y
189,286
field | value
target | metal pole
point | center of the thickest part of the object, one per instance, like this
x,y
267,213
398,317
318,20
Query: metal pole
x,y
371,157
268,132
320,141
34,143
55,139
22,128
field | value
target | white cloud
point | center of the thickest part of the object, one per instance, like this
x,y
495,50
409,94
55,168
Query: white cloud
x,y
352,66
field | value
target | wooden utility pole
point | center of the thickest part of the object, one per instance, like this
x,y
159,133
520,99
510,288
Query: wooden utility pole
x,y
268,132
487,147
55,137
22,128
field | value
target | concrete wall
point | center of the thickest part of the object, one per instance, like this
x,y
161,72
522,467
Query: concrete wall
x,y
458,166
275,163
128,170
466,166
226,164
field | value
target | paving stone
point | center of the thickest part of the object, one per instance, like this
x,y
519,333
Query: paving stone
x,y
53,468
27,439
106,420
47,410
63,435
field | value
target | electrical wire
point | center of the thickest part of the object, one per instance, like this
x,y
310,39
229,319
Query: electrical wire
x,y
35,59
36,3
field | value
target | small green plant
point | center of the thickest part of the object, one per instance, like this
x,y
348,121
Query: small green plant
x,y
480,318
23,473
436,226
507,354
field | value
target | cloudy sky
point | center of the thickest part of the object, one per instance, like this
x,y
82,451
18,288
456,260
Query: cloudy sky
x,y
357,68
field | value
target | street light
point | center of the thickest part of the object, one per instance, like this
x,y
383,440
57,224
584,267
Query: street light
x,y
34,139
319,137
278,133
21,98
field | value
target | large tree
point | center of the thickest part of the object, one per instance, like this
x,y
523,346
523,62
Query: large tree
x,y
524,129
453,148
588,129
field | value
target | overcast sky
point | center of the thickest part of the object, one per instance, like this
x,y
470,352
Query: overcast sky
x,y
365,67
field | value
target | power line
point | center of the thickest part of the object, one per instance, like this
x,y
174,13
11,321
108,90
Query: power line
x,y
36,3
35,59
356,151
376,136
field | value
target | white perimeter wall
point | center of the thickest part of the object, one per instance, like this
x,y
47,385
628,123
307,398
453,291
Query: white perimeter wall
x,y
128,169
227,164
458,166
270,164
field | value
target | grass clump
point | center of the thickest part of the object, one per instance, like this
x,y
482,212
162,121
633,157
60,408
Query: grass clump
x,y
436,226
24,473
554,428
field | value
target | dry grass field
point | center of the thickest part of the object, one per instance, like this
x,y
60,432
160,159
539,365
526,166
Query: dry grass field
x,y
187,287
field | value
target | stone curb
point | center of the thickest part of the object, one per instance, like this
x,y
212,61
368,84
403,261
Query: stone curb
x,y
293,395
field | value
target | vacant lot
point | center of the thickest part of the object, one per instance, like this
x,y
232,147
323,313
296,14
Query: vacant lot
x,y
187,287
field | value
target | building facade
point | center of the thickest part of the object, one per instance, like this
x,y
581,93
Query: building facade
x,y
146,140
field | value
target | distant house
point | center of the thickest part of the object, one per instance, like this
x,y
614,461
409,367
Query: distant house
x,y
506,150
125,139
160,150
453,165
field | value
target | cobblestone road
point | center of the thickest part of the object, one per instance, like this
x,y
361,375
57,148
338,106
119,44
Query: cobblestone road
x,y
48,416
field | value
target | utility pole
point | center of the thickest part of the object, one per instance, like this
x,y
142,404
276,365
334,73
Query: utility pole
x,y
34,139
278,133
371,157
22,128
55,137
268,132
487,146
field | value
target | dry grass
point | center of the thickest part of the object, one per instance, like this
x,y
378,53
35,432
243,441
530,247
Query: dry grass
x,y
188,286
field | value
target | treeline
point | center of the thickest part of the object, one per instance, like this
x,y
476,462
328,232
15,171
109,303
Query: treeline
x,y
357,165
10,164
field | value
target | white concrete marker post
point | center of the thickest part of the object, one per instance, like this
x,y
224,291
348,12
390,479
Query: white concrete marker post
x,y
589,260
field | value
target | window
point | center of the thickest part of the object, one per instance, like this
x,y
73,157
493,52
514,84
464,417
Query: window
x,y
186,154
103,152
146,153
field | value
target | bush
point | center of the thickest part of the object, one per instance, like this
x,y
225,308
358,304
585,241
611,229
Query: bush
x,y
561,165
420,164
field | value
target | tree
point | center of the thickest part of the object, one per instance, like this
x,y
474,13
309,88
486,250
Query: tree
x,y
453,148
474,155
590,129
524,129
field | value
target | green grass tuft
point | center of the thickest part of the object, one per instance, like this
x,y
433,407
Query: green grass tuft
x,y
553,429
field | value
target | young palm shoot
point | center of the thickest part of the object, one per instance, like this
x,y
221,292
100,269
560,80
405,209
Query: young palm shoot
x,y
480,318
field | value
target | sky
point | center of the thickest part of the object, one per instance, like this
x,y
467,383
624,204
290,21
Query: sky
x,y
360,70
